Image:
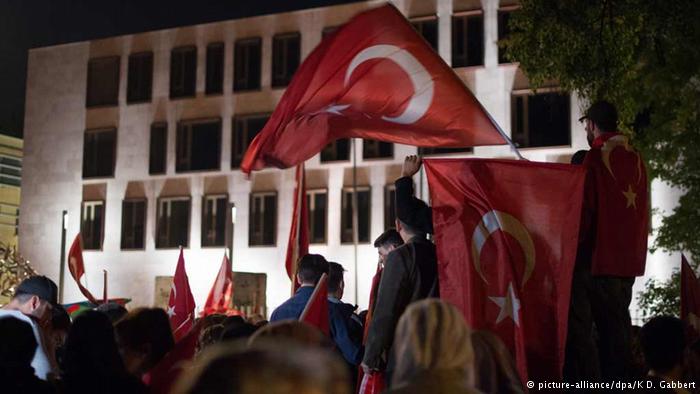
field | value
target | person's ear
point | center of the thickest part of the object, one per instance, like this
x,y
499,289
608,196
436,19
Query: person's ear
x,y
299,282
35,302
398,225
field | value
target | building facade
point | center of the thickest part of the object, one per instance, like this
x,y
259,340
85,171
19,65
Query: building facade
x,y
10,183
140,137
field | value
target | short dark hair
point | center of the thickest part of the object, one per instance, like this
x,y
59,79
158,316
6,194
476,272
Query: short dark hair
x,y
146,328
663,341
603,114
335,276
388,238
579,157
413,230
113,310
311,267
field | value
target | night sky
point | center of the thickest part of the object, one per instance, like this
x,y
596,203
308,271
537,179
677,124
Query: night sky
x,y
26,24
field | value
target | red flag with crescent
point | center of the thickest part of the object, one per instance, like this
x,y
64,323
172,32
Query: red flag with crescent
x,y
316,310
298,244
690,300
77,268
374,78
506,233
221,293
181,302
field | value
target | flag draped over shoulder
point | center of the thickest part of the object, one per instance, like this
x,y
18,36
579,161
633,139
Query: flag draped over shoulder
x,y
298,244
316,310
221,293
690,300
506,234
374,78
181,301
77,267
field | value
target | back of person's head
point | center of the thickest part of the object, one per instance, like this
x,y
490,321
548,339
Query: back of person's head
x,y
113,310
412,230
209,336
432,336
663,340
144,337
91,348
311,267
335,277
19,344
579,157
603,114
390,237
238,331
494,365
291,331
212,320
273,368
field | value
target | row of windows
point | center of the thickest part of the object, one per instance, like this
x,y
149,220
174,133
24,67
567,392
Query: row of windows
x,y
173,219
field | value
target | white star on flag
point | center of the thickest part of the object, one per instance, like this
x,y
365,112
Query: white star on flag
x,y
171,311
510,305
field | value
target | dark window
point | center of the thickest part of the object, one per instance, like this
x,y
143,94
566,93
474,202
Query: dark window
x,y
99,153
541,120
214,220
428,29
215,68
158,149
468,40
316,201
441,151
140,77
198,146
246,64
286,52
103,81
338,150
245,128
377,149
363,215
263,219
183,72
133,224
389,206
503,32
92,224
173,224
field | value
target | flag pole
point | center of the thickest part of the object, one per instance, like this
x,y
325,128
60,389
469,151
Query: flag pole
x,y
354,211
62,261
500,131
323,278
104,287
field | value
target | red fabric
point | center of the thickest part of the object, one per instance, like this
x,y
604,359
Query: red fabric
x,y
164,374
690,300
617,207
372,297
298,244
77,267
181,302
360,82
506,234
221,293
372,383
316,310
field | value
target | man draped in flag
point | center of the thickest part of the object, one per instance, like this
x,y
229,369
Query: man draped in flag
x,y
690,301
181,302
298,244
221,293
77,268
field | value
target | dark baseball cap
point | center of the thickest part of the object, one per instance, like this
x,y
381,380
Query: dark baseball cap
x,y
603,114
39,286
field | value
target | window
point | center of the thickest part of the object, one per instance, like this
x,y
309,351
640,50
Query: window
x,y
389,206
198,146
338,150
214,220
215,68
92,224
468,40
10,171
377,149
246,64
440,151
316,201
183,72
173,224
428,29
99,153
363,215
158,148
133,224
140,77
286,51
539,120
263,219
102,81
245,128
503,32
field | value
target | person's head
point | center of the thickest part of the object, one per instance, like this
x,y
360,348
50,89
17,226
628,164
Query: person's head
x,y
291,331
600,117
237,331
578,157
144,337
310,268
35,297
336,283
19,344
663,340
432,335
91,348
209,336
385,243
409,231
494,365
113,311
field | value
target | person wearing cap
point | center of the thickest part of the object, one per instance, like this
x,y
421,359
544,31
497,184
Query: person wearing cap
x,y
409,275
33,302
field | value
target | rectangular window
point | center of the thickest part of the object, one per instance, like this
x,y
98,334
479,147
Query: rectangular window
x,y
539,120
363,215
338,150
389,206
262,219
133,224
286,52
173,224
428,29
102,81
140,77
215,68
245,128
468,40
183,72
158,148
503,32
99,153
377,149
92,224
441,151
247,56
317,203
198,145
214,220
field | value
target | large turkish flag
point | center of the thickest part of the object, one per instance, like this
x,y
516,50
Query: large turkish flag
x,y
374,78
506,234
181,302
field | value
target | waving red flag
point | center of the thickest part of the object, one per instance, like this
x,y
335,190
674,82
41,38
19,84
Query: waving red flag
x,y
316,310
690,299
374,78
181,302
298,244
506,234
77,268
221,293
